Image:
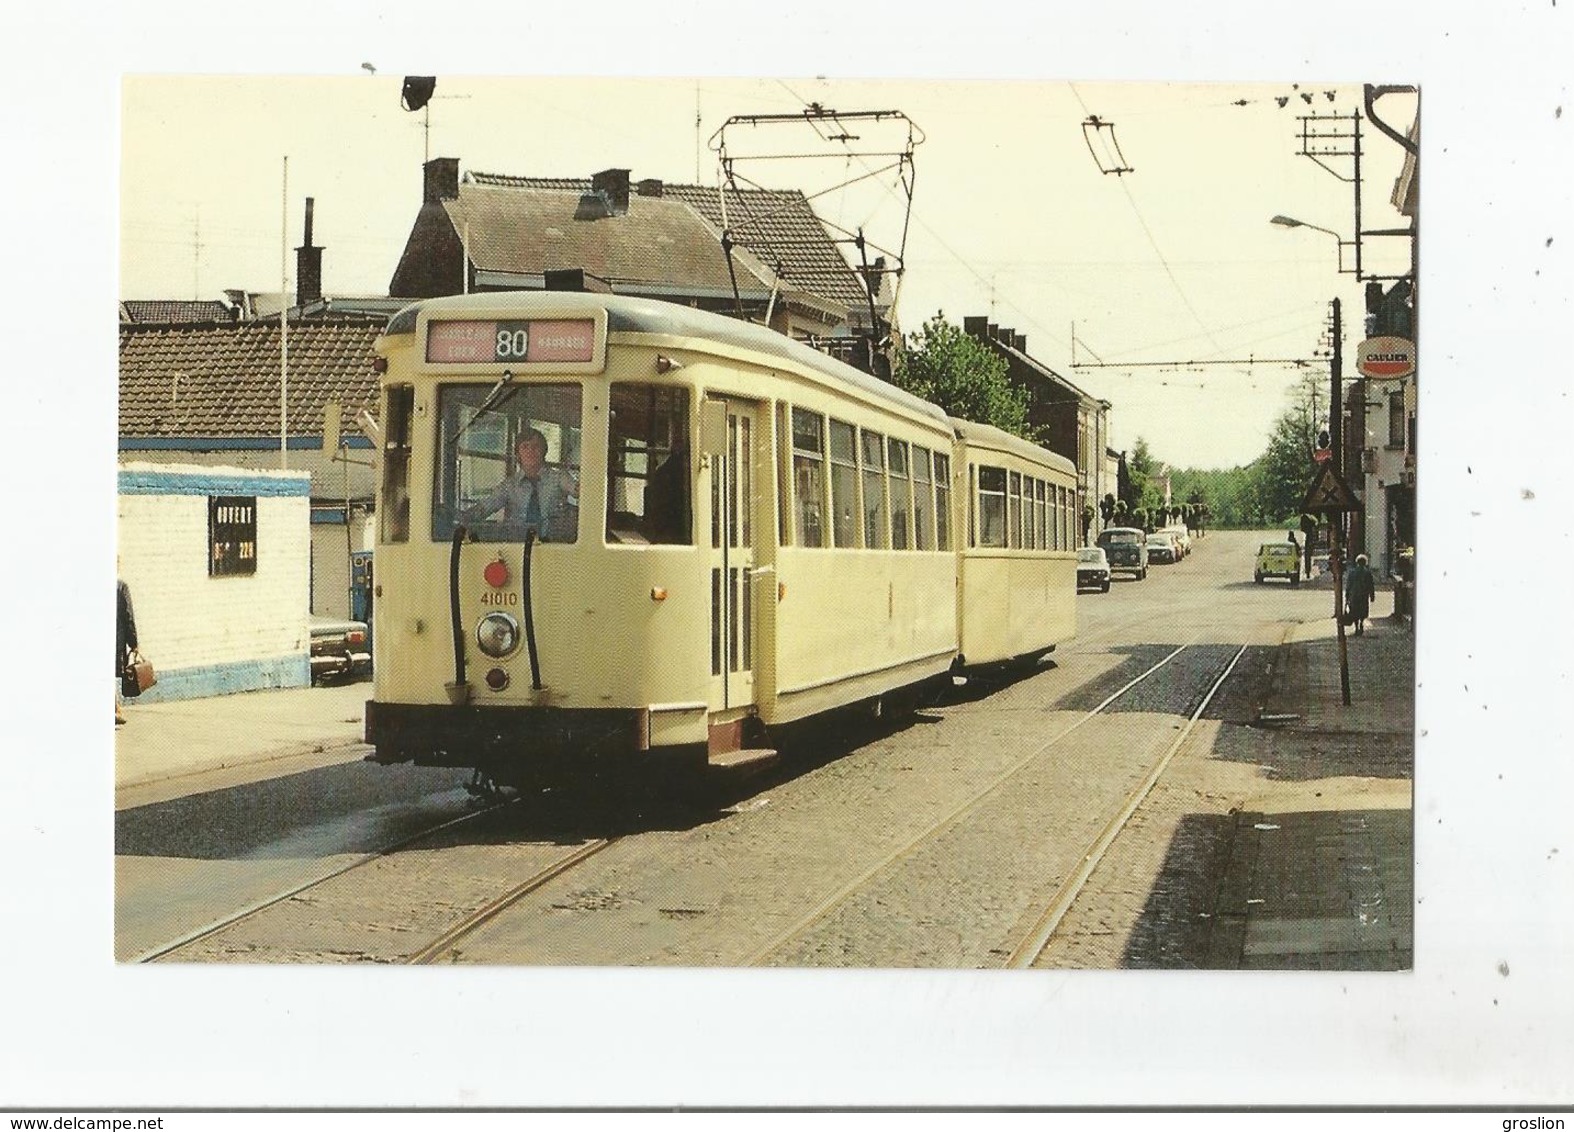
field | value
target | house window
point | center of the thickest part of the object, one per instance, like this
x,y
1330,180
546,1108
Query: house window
x,y
232,535
1396,419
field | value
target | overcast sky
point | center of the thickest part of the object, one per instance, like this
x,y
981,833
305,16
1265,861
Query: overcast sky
x,y
1012,212
1007,204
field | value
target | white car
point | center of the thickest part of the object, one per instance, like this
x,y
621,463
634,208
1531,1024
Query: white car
x,y
1092,569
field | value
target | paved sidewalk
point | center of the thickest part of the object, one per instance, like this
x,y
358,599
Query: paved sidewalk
x,y
1321,865
162,741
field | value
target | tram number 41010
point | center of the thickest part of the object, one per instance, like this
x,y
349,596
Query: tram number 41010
x,y
500,597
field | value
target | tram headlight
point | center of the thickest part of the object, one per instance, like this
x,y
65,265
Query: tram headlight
x,y
497,635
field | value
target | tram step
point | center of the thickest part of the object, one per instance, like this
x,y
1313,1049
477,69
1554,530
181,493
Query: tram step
x,y
754,759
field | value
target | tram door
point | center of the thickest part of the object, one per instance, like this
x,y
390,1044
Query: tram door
x,y
732,561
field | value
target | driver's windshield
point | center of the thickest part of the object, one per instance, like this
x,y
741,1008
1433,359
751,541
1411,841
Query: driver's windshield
x,y
508,462
1090,554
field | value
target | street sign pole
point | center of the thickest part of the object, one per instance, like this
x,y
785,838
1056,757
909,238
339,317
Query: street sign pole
x,y
1335,562
1331,497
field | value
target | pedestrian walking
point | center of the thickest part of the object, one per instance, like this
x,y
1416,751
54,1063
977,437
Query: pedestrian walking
x,y
1359,590
125,639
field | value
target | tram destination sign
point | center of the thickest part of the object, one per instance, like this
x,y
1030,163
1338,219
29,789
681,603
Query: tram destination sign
x,y
511,340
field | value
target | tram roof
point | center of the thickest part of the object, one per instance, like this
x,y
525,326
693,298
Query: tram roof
x,y
988,436
631,315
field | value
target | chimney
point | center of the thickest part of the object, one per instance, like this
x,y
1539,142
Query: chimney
x,y
650,187
1007,336
975,326
441,180
994,331
308,266
613,184
1021,343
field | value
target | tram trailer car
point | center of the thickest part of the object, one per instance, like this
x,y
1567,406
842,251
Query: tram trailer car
x,y
731,531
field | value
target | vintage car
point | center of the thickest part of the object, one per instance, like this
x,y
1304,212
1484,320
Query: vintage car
x,y
1163,548
339,648
1092,569
1127,550
1278,560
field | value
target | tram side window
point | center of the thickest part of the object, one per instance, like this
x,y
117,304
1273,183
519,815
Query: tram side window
x,y
490,475
923,501
1014,511
1029,525
1041,507
844,485
808,476
877,535
398,408
942,502
991,506
901,496
650,473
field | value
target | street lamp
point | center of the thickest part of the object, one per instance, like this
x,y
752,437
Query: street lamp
x,y
1336,456
1292,222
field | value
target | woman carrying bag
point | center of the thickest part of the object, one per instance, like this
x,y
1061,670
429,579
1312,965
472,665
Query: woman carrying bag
x,y
125,640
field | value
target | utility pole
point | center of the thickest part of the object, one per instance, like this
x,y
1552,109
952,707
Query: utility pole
x,y
1336,518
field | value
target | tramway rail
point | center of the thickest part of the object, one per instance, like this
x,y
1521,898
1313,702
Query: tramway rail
x,y
826,907
256,908
1037,940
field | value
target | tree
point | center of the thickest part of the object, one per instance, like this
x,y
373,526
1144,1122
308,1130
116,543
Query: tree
x,y
1136,483
948,367
1283,472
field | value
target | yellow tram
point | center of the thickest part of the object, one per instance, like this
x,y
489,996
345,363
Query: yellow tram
x,y
613,526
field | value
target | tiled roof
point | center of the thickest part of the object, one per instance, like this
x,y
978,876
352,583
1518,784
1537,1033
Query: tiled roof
x,y
174,310
530,230
222,379
777,226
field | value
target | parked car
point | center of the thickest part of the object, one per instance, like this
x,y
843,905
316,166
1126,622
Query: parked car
x,y
1182,537
1278,560
1092,569
1162,548
1127,550
339,648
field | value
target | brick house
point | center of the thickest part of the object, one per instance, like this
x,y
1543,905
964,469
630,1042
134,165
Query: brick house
x,y
1068,419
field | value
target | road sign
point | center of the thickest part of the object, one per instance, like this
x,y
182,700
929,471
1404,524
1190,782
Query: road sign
x,y
1329,493
1323,455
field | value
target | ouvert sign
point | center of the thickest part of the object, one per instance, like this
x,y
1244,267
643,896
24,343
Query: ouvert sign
x,y
1386,357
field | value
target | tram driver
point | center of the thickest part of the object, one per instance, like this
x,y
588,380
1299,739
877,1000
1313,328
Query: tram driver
x,y
535,495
